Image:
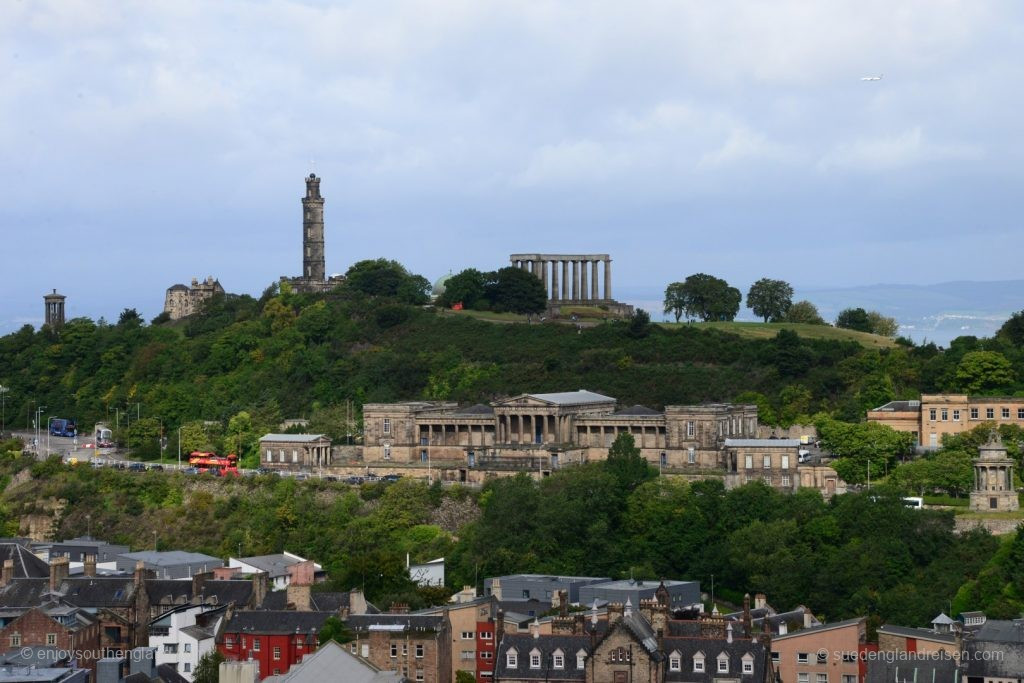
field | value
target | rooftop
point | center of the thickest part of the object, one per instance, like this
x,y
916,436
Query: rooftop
x,y
293,438
920,633
899,407
573,397
172,558
763,443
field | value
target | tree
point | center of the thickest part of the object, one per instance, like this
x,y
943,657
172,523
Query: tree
x,y
804,312
770,299
707,297
675,299
383,277
854,319
466,287
980,371
858,444
626,464
129,318
464,677
208,668
1012,330
639,324
882,325
516,291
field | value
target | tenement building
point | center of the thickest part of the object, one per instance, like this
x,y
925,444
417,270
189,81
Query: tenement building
x,y
936,415
182,301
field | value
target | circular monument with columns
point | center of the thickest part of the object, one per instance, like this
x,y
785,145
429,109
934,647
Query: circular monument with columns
x,y
993,478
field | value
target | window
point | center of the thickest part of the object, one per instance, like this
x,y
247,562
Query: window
x,y
188,667
295,456
353,648
15,640
664,458
365,650
723,663
945,414
486,655
956,415
748,666
581,659
419,675
698,663
675,662
775,657
467,635
51,638
467,654
748,462
277,671
511,659
690,429
169,648
785,462
802,658
803,678
821,678
270,455
188,647
974,413
394,649
822,657
786,480
990,413
1006,413
256,644
386,427
849,678
931,414
558,660
405,649
526,595
485,635
423,455
419,651
229,642
766,462
1020,413
849,656
534,660
387,452
691,455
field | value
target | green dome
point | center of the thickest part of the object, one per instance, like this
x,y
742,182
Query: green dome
x,y
439,284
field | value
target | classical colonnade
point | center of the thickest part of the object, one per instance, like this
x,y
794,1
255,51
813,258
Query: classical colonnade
x,y
574,274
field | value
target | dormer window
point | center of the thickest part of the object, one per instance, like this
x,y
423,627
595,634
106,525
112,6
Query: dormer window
x,y
535,659
512,658
581,659
698,662
675,661
748,663
723,663
558,659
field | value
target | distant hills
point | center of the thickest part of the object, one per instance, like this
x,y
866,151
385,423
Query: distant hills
x,y
938,313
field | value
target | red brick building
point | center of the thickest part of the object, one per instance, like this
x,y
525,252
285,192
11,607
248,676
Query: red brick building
x,y
274,639
486,640
58,626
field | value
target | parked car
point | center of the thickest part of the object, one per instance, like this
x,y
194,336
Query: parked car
x,y
392,477
137,467
301,476
119,465
96,463
157,467
354,480
190,470
370,476
330,477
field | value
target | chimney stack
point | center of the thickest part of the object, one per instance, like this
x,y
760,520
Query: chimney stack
x,y
760,601
298,597
58,572
8,573
807,618
140,572
747,624
89,565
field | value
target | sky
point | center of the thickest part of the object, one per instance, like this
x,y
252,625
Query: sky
x,y
146,143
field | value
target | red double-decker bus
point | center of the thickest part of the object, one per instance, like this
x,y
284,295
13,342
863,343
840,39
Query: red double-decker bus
x,y
217,465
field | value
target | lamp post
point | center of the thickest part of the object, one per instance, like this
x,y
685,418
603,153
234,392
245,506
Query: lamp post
x,y
39,411
48,434
3,407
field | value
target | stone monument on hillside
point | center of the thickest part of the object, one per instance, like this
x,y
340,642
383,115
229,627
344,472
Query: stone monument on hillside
x,y
993,478
574,280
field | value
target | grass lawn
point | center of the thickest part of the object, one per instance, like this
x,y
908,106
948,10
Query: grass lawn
x,y
489,316
753,330
971,514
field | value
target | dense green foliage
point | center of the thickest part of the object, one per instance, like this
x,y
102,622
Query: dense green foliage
x,y
804,312
704,297
770,299
508,290
867,321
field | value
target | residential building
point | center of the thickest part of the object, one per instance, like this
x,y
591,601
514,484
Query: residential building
x,y
302,598
679,594
281,569
426,573
908,639
171,564
819,654
465,621
332,662
295,451
181,301
183,635
995,652
936,415
543,587
914,668
418,646
276,640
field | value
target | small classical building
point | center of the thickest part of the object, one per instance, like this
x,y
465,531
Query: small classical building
x,y
936,415
295,451
181,301
993,478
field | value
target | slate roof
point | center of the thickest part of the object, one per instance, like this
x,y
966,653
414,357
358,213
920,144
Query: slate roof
x,y
921,633
26,565
996,650
274,565
479,410
642,631
899,407
333,663
276,621
96,591
572,397
238,591
293,438
547,644
408,622
173,558
762,443
911,668
819,628
637,411
318,601
167,674
688,648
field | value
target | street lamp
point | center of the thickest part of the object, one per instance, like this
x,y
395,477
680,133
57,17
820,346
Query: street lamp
x,y
39,411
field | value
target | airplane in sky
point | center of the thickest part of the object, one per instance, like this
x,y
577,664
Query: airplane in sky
x,y
872,78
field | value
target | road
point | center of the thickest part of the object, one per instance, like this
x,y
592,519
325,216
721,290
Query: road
x,y
67,447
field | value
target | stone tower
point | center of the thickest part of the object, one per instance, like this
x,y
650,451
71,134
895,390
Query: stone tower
x,y
993,478
54,304
313,231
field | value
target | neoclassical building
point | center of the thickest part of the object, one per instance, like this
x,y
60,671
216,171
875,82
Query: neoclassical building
x,y
182,301
542,431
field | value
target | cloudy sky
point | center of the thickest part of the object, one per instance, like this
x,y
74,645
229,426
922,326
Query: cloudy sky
x,y
146,143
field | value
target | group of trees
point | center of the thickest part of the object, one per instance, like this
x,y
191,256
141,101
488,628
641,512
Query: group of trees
x,y
509,289
867,321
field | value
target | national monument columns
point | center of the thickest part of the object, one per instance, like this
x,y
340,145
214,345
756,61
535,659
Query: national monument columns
x,y
574,275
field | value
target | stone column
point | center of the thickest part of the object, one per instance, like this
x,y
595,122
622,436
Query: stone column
x,y
565,280
544,274
593,282
583,279
575,281
554,281
608,278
